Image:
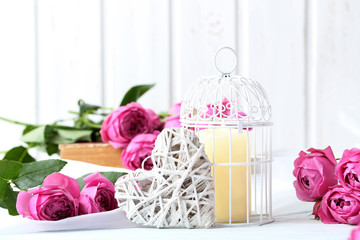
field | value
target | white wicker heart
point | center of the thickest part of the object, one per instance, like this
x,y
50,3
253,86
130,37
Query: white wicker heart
x,y
178,191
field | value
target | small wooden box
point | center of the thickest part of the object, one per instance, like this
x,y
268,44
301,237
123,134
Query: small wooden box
x,y
96,153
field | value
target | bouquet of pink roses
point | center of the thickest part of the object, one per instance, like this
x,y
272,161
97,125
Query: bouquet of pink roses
x,y
60,197
334,187
130,126
135,129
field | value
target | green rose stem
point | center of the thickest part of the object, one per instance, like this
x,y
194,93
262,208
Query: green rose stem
x,y
92,113
55,123
15,122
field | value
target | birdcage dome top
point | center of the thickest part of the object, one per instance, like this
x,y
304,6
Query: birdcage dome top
x,y
225,100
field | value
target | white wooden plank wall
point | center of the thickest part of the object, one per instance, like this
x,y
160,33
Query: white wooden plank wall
x,y
199,28
305,53
276,60
69,53
17,68
338,74
136,42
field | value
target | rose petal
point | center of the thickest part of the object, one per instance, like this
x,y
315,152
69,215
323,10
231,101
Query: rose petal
x,y
95,178
62,181
33,205
22,204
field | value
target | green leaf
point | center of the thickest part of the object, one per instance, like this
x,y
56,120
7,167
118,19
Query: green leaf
x,y
164,115
10,201
33,174
28,128
52,148
20,154
135,93
3,188
84,107
65,136
96,137
75,135
111,176
38,135
9,169
2,204
55,127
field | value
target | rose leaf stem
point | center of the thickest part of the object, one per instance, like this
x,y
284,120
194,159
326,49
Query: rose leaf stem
x,y
73,112
107,108
87,122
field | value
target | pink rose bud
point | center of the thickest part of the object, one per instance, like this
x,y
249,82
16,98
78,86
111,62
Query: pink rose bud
x,y
355,234
174,119
57,199
124,123
98,195
316,209
348,169
138,150
314,172
157,123
340,205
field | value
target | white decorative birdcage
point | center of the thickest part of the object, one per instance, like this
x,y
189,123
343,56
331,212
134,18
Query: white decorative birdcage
x,y
232,117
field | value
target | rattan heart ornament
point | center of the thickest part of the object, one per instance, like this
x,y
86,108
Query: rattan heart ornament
x,y
178,191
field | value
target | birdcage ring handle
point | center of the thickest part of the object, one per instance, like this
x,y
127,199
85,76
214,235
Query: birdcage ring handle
x,y
223,70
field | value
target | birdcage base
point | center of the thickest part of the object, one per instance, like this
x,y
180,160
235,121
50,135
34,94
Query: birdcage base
x,y
257,220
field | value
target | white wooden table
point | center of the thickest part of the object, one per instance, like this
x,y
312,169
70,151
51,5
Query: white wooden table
x,y
292,218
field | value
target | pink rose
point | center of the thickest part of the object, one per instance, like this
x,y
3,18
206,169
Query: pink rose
x,y
340,205
223,110
138,149
314,172
174,119
98,195
124,123
157,123
355,234
57,199
348,169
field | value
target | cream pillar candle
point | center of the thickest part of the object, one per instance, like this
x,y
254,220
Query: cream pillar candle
x,y
222,182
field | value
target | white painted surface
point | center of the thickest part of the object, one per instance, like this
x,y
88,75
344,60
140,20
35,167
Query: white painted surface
x,y
305,54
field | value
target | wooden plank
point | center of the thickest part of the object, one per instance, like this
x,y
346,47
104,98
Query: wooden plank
x,y
102,154
17,74
69,56
338,71
199,29
276,61
136,37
